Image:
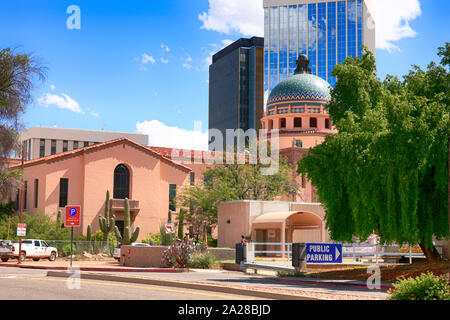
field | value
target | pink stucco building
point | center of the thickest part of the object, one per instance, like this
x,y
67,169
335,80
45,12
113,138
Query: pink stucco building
x,y
82,177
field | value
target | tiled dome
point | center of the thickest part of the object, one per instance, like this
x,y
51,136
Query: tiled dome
x,y
300,89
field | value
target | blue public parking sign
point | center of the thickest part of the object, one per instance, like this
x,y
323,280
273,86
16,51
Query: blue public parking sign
x,y
323,253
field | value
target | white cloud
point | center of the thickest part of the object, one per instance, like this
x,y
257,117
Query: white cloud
x,y
164,61
145,59
161,135
246,17
52,87
165,48
187,66
62,102
188,59
93,113
392,20
241,16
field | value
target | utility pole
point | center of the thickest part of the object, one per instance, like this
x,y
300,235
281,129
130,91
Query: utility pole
x,y
21,202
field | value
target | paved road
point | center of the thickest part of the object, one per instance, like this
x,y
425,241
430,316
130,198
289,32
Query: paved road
x,y
22,284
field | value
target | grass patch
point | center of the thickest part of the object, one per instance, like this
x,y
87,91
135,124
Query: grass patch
x,y
292,274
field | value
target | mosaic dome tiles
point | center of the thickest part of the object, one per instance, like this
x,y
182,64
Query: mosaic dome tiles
x,y
301,88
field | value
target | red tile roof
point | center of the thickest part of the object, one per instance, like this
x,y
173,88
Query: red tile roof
x,y
99,146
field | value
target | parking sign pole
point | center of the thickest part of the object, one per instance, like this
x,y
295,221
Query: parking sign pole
x,y
71,242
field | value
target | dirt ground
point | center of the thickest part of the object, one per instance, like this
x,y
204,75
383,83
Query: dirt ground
x,y
389,273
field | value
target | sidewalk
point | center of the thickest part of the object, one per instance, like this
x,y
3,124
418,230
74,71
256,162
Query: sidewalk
x,y
107,265
212,280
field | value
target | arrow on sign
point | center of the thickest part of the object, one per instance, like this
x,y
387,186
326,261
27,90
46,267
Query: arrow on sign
x,y
337,253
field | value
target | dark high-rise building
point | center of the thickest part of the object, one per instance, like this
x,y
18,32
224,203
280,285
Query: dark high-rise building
x,y
236,86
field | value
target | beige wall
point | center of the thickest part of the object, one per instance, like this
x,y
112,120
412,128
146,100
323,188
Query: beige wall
x,y
243,213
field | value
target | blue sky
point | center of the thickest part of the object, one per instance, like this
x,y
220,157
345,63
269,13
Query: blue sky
x,y
143,65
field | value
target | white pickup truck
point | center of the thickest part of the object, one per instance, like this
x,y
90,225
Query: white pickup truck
x,y
35,249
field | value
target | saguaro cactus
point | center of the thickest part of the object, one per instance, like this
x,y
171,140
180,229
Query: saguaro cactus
x,y
89,237
128,237
106,222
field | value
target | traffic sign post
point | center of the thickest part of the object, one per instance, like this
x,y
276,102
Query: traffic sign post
x,y
170,228
73,219
323,253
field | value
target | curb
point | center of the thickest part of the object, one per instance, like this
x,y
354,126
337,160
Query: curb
x,y
333,284
186,285
156,270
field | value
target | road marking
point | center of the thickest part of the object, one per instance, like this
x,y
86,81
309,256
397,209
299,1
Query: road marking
x,y
102,283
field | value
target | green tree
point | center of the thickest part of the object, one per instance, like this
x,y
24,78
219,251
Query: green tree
x,y
8,209
18,72
386,171
180,218
202,203
39,226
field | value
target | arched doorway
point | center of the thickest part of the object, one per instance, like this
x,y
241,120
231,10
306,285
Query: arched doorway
x,y
121,182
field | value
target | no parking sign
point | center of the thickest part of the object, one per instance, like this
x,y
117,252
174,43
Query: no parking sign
x,y
170,228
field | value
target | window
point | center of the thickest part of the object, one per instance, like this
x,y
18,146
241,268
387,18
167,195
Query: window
x,y
37,243
25,187
36,193
53,147
283,123
25,151
313,122
172,195
192,178
75,145
42,148
297,122
121,182
327,123
29,150
86,144
63,192
65,145
299,143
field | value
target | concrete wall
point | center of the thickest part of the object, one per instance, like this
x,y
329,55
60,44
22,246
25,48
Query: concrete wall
x,y
142,257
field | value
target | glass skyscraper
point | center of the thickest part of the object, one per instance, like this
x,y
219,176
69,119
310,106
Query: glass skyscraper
x,y
324,30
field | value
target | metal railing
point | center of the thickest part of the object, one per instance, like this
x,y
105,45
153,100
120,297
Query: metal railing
x,y
81,247
252,252
356,251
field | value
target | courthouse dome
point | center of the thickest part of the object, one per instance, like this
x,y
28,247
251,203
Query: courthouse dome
x,y
301,89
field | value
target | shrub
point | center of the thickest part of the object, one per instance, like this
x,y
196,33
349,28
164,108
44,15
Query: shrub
x,y
425,287
153,239
202,260
178,255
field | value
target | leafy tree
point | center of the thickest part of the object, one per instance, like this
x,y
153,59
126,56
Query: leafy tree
x,y
202,203
246,182
39,226
386,171
18,71
229,182
8,209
